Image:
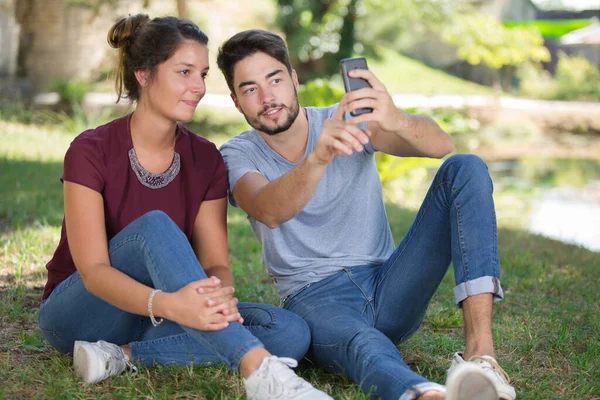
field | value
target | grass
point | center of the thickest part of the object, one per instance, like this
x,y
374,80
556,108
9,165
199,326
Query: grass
x,y
552,29
545,330
404,75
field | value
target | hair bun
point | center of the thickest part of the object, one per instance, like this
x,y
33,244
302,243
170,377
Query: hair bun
x,y
122,31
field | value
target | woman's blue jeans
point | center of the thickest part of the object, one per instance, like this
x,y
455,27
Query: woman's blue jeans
x,y
358,315
155,252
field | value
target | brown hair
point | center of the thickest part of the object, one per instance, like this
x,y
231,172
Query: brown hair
x,y
145,43
247,43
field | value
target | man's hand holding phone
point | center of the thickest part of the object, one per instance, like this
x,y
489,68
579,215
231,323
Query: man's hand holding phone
x,y
339,137
366,98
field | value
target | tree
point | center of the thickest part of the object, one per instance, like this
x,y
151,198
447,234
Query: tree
x,y
482,39
318,33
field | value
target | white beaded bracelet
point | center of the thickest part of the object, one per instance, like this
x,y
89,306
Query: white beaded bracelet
x,y
150,313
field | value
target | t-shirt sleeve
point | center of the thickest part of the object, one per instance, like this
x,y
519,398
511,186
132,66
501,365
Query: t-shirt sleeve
x,y
238,164
83,165
217,188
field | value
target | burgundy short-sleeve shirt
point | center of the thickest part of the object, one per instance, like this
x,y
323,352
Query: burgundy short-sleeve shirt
x,y
98,159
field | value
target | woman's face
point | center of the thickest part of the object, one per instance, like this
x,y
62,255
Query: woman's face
x,y
179,83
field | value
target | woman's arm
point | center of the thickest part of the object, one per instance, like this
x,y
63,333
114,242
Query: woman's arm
x,y
86,233
209,240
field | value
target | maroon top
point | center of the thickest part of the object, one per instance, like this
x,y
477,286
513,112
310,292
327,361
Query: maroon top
x,y
98,159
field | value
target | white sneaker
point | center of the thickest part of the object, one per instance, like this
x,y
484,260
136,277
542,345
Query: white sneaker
x,y
469,382
490,366
275,380
94,362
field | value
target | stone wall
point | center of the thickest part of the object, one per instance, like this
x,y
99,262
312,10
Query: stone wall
x,y
64,41
9,38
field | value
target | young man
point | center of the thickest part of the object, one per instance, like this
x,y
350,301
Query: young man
x,y
307,179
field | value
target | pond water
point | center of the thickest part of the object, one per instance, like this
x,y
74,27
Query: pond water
x,y
555,198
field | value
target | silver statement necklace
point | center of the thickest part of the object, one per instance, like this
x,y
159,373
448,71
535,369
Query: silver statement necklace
x,y
150,180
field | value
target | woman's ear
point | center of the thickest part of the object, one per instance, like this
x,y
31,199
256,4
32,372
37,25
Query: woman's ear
x,y
142,77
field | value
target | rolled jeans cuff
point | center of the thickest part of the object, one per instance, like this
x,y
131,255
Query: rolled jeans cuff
x,y
485,284
418,390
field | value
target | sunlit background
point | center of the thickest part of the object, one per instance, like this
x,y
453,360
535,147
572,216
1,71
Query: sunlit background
x,y
514,81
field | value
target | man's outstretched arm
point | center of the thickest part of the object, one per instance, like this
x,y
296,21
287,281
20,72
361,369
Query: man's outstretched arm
x,y
394,131
273,203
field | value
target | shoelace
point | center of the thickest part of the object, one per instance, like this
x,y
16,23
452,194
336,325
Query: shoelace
x,y
493,364
119,355
288,382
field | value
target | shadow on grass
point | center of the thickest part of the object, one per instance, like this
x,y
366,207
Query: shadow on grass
x,y
31,192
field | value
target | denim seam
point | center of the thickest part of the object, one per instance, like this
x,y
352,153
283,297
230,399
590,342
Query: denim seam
x,y
367,298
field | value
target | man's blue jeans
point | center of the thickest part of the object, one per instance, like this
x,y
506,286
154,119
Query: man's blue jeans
x,y
155,252
358,315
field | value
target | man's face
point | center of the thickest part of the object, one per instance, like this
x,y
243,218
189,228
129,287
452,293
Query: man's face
x,y
266,93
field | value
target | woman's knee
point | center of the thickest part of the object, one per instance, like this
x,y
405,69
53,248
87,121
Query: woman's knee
x,y
283,333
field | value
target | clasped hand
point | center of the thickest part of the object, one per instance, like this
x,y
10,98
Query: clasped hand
x,y
204,305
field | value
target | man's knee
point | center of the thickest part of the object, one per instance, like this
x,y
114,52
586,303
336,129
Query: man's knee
x,y
469,166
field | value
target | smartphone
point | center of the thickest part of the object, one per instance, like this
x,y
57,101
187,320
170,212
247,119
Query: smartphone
x,y
350,84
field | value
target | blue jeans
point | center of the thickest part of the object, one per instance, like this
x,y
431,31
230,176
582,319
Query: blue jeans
x,y
155,252
358,315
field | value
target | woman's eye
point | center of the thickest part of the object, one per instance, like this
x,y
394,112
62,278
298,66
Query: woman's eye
x,y
184,72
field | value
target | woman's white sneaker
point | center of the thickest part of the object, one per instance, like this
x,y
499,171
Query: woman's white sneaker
x,y
94,362
274,379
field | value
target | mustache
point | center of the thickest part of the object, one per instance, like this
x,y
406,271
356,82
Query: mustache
x,y
271,106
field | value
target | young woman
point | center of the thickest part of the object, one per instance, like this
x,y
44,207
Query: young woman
x,y
144,235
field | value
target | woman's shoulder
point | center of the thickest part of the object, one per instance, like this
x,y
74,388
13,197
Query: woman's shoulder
x,y
102,136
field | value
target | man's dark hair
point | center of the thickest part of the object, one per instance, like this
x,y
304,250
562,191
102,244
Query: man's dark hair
x,y
247,43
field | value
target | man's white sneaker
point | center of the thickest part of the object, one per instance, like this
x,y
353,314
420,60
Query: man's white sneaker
x,y
493,371
94,362
468,382
274,379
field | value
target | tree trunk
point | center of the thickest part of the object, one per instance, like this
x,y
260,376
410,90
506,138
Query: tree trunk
x,y
182,9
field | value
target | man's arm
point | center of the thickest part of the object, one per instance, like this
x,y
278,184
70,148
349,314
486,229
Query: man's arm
x,y
276,202
394,131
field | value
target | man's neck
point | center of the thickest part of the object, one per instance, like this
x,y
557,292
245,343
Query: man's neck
x,y
290,144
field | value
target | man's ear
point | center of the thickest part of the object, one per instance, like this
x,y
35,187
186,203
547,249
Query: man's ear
x,y
142,77
235,101
295,79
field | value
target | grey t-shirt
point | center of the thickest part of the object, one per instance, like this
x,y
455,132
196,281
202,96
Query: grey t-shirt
x,y
343,225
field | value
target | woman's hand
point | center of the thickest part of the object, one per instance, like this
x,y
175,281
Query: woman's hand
x,y
202,305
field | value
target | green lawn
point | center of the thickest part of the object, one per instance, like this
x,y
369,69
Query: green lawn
x,y
546,330
552,29
404,75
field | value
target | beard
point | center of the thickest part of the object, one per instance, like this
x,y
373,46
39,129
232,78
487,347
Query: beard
x,y
292,113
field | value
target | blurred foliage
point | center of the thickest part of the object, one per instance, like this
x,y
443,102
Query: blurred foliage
x,y
318,33
319,93
551,29
71,92
482,39
575,79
